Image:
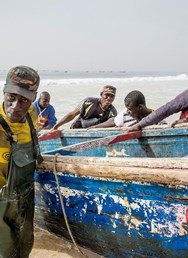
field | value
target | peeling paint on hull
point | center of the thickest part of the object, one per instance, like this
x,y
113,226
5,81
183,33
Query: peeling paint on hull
x,y
116,218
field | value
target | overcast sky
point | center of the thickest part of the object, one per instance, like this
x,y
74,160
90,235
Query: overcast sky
x,y
131,35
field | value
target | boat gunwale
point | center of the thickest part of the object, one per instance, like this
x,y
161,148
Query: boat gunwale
x,y
171,171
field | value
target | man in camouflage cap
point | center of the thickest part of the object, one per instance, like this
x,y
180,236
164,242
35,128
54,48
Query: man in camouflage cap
x,y
22,80
109,89
18,154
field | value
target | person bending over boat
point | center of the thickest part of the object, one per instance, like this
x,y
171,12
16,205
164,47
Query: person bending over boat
x,y
46,112
136,109
92,111
19,151
179,103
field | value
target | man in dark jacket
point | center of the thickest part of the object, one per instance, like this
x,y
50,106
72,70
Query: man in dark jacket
x,y
92,111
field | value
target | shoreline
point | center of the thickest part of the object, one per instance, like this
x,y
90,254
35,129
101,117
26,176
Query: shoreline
x,y
48,245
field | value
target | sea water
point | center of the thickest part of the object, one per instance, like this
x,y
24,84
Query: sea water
x,y
69,88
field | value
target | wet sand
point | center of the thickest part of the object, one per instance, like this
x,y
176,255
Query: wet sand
x,y
47,245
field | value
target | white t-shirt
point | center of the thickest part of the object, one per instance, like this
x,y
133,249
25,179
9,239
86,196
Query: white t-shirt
x,y
124,120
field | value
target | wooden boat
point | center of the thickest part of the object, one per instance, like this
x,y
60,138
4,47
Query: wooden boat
x,y
128,207
127,199
160,141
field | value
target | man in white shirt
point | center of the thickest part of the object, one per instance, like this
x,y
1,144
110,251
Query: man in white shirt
x,y
123,119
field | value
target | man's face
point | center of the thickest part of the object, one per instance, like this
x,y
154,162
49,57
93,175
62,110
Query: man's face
x,y
132,110
16,107
107,99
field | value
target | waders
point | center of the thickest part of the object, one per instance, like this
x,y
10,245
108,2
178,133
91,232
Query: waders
x,y
17,203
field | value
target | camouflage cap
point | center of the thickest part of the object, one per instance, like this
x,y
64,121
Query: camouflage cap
x,y
109,89
22,80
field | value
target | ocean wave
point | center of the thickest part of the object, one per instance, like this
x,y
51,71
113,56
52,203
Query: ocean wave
x,y
75,81
107,80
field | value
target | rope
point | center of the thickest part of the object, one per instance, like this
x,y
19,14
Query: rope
x,y
63,208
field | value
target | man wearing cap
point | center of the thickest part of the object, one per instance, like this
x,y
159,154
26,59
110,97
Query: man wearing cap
x,y
92,111
18,154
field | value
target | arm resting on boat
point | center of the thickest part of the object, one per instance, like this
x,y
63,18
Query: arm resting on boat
x,y
108,123
67,118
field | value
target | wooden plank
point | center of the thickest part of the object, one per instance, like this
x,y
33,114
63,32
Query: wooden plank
x,y
172,171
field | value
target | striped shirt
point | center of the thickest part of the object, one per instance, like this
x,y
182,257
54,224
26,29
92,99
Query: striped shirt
x,y
124,120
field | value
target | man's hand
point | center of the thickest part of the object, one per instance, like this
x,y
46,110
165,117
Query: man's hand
x,y
180,121
133,128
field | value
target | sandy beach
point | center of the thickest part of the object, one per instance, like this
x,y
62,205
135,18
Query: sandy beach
x,y
49,246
